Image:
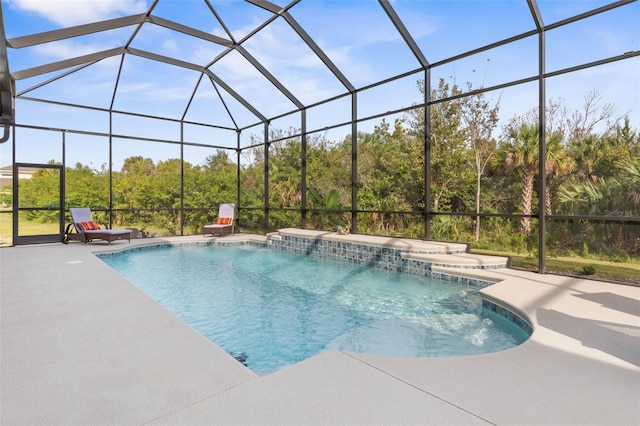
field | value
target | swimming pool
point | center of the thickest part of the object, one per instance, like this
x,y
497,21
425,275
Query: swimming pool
x,y
271,308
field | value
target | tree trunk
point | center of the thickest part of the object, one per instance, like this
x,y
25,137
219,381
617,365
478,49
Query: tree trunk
x,y
527,199
547,199
478,207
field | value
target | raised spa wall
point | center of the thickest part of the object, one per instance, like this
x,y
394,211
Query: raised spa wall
x,y
396,254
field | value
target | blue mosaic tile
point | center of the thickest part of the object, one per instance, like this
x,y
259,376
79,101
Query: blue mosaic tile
x,y
508,314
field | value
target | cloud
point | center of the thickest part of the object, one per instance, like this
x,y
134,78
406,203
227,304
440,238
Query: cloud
x,y
170,46
76,12
64,49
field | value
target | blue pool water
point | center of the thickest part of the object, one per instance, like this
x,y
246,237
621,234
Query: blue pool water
x,y
271,308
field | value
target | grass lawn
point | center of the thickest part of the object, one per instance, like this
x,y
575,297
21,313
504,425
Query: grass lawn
x,y
628,273
26,228
33,228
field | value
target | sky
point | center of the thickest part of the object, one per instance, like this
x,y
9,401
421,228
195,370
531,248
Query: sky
x,y
356,36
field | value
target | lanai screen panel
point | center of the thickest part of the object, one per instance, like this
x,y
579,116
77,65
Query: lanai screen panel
x,y
201,16
444,29
250,83
154,88
554,11
87,86
293,63
362,41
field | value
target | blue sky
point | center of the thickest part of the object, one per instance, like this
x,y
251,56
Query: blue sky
x,y
356,36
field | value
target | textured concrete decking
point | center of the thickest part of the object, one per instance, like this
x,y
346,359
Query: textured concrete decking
x,y
80,345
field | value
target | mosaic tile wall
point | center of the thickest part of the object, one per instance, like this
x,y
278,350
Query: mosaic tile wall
x,y
461,279
508,314
363,254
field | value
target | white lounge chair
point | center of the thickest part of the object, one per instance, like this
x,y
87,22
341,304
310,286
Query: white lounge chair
x,y
225,222
88,230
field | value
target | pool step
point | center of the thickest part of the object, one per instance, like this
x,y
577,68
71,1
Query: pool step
x,y
405,244
460,260
274,236
483,275
435,253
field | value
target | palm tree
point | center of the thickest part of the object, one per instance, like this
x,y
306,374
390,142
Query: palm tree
x,y
557,163
520,155
617,196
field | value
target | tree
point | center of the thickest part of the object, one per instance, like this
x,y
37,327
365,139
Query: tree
x,y
40,191
165,195
285,164
480,118
209,185
218,180
390,164
520,155
617,196
133,188
328,172
596,155
593,114
86,187
557,164
449,155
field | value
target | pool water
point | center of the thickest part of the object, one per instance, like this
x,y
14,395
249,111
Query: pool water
x,y
271,309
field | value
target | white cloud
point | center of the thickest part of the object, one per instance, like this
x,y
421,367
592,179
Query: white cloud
x,y
76,12
170,46
64,49
135,88
276,46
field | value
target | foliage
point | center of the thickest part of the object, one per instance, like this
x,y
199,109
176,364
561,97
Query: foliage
x,y
474,171
330,201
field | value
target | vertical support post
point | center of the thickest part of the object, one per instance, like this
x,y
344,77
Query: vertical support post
x,y
542,214
266,177
181,178
354,162
427,154
542,137
238,175
303,167
110,166
63,197
14,191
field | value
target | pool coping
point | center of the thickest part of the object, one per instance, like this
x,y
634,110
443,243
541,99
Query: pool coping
x,y
580,365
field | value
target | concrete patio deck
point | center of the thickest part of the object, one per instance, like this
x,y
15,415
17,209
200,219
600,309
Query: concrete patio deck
x,y
80,345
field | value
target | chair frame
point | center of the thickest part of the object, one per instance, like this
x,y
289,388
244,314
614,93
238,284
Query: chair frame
x,y
223,211
87,236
